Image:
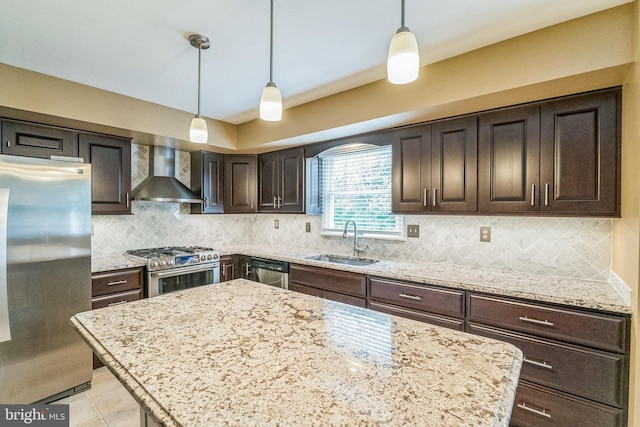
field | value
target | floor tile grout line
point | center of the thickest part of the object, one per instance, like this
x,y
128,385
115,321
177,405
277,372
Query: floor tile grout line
x,y
95,407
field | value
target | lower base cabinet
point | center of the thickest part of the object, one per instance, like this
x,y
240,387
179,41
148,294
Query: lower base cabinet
x,y
115,287
341,286
537,406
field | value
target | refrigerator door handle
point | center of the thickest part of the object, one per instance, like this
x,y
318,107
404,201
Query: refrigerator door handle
x,y
5,330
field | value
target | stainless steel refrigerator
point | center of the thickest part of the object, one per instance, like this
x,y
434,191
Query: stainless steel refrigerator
x,y
45,278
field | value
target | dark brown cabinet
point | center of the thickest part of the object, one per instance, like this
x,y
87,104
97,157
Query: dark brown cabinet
x,y
228,265
429,304
557,157
33,140
509,161
579,155
281,181
573,357
110,159
240,184
435,167
335,285
207,180
115,287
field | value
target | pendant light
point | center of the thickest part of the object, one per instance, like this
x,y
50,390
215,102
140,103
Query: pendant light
x,y
271,99
403,61
198,132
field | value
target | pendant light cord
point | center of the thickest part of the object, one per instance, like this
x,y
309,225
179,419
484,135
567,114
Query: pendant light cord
x,y
402,19
271,45
199,59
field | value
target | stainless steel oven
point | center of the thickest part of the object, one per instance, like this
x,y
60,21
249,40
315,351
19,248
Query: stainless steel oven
x,y
176,268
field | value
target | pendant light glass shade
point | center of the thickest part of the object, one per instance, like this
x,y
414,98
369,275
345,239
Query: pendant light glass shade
x,y
198,132
271,103
403,61
271,99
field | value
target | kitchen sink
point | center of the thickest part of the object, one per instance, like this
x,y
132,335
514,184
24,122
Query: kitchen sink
x,y
342,259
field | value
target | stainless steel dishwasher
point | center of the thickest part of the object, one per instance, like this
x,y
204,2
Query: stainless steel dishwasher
x,y
270,272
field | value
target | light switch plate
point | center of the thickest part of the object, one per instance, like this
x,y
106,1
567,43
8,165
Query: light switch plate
x,y
413,231
307,226
485,234
276,224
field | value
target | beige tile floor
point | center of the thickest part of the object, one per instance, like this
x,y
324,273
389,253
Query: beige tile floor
x,y
107,403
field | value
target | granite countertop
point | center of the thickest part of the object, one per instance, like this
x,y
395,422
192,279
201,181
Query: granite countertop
x,y
247,354
114,262
590,294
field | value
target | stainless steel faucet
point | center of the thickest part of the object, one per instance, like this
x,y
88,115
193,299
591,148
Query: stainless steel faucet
x,y
356,249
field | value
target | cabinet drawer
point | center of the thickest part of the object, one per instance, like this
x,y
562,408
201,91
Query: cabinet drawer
x,y
115,281
540,407
420,316
331,280
591,374
333,296
116,299
433,300
603,331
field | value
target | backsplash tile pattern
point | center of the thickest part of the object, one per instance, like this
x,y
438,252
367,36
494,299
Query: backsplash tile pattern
x,y
569,247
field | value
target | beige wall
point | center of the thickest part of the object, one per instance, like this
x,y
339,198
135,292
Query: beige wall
x,y
626,230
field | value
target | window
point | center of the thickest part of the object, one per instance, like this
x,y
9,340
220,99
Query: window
x,y
355,184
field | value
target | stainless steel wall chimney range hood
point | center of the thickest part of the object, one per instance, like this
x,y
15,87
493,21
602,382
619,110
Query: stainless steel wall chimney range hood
x,y
162,185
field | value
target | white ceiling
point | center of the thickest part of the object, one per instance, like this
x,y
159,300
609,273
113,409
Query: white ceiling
x,y
139,48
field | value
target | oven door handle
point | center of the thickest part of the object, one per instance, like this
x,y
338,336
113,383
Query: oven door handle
x,y
183,270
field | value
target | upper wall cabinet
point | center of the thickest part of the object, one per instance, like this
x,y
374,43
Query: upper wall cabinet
x,y
110,159
207,180
435,167
509,160
240,184
32,140
579,155
558,158
281,181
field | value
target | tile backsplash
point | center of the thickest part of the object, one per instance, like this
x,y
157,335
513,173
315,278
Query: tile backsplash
x,y
570,247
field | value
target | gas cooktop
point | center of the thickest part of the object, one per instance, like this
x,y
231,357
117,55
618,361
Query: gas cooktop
x,y
175,256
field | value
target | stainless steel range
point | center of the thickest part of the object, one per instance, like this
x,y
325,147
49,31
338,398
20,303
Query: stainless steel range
x,y
175,268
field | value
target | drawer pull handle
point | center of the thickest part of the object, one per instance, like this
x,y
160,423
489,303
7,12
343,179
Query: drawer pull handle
x,y
542,364
414,297
536,321
534,411
116,282
111,304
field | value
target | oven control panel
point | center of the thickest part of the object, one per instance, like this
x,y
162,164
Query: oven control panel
x,y
182,260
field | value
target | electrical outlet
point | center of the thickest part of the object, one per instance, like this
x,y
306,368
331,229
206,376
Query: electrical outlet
x,y
276,224
413,231
485,234
307,226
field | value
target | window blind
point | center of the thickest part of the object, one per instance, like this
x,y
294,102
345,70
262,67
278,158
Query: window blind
x,y
355,184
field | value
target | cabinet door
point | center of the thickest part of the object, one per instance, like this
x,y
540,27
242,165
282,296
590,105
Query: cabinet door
x,y
454,163
240,184
509,161
227,268
110,159
268,170
579,151
27,139
207,181
291,189
411,176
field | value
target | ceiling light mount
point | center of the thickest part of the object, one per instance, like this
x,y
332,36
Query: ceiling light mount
x,y
198,132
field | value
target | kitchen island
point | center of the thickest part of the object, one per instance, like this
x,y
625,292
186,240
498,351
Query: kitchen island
x,y
242,353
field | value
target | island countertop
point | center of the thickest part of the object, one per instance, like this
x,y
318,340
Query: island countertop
x,y
247,354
